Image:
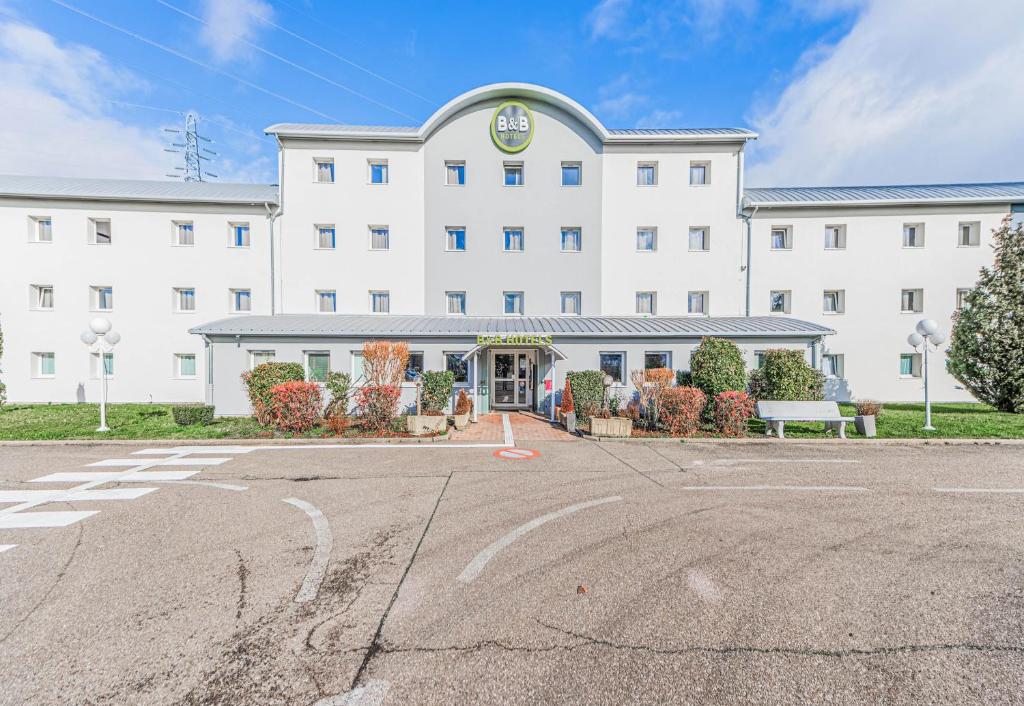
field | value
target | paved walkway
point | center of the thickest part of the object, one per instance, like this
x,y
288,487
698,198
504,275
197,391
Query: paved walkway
x,y
524,427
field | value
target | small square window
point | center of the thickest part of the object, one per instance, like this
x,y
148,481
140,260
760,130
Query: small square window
x,y
913,235
572,174
779,301
572,303
613,364
969,235
646,303
326,301
456,302
378,171
185,299
647,174
833,301
241,301
240,237
961,298
326,237
782,238
42,229
513,303
646,239
455,173
42,297
184,233
835,237
454,363
910,365
699,173
185,365
657,359
832,365
324,171
260,357
571,240
697,302
108,365
318,365
455,239
380,238
912,301
380,302
102,298
100,231
700,240
513,240
513,174
44,365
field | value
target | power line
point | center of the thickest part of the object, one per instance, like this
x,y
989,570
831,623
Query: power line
x,y
289,62
203,116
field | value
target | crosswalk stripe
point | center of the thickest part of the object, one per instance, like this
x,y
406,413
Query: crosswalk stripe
x,y
30,496
119,476
5,547
19,520
160,462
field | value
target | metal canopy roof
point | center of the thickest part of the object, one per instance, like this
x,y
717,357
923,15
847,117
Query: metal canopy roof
x,y
1004,192
135,190
368,326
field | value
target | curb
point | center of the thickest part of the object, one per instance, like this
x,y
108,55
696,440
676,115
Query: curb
x,y
227,442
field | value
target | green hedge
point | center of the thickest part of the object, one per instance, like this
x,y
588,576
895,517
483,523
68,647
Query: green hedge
x,y
717,366
260,379
587,391
338,385
785,375
437,389
188,414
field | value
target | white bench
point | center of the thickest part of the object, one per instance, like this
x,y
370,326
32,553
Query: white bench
x,y
776,414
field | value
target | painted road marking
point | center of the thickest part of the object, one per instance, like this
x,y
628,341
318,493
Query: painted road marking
x,y
516,454
729,461
20,520
506,425
174,461
979,490
474,567
98,477
842,488
21,496
196,450
321,553
210,484
703,586
370,695
5,547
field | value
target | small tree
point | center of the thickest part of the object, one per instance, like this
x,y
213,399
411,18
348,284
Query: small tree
x,y
785,375
567,402
986,351
717,366
385,362
337,384
437,390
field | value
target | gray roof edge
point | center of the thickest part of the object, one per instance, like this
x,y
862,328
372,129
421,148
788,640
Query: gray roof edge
x,y
894,195
146,190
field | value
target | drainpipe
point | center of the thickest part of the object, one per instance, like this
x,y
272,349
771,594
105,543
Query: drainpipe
x,y
272,215
747,217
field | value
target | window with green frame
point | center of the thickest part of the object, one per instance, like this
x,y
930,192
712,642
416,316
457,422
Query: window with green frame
x,y
317,366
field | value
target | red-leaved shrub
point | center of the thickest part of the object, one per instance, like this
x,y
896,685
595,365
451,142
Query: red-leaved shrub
x,y
377,406
680,408
733,409
295,406
567,402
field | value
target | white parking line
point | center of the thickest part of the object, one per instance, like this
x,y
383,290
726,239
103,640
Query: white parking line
x,y
6,547
21,520
726,461
703,586
21,496
840,488
97,477
174,461
321,553
196,450
474,567
370,695
979,490
506,425
210,484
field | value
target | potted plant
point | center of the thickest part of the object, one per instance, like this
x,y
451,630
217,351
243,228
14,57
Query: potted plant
x,y
604,424
567,413
436,395
867,410
463,408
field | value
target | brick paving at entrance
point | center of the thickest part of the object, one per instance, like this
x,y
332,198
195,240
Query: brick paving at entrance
x,y
525,427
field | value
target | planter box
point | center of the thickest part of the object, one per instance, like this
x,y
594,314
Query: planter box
x,y
461,421
865,424
616,426
417,424
568,420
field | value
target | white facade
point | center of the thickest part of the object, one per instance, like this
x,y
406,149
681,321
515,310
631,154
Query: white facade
x,y
421,221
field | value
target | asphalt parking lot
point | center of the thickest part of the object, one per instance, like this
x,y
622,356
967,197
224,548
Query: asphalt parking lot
x,y
767,572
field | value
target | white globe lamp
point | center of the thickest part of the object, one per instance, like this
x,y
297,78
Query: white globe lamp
x,y
915,340
101,341
99,325
925,336
926,327
88,337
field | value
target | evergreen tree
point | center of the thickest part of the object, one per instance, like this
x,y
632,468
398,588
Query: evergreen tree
x,y
986,351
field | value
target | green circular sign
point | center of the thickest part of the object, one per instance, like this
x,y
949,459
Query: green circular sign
x,y
512,126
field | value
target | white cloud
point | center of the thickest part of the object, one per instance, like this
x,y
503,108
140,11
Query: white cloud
x,y
619,20
607,18
910,94
230,24
660,118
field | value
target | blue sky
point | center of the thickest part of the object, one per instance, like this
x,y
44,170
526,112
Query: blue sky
x,y
843,91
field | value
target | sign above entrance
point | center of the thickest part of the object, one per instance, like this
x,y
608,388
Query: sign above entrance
x,y
512,126
514,339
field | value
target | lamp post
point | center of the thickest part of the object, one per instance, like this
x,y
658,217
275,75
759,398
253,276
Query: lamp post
x,y
101,340
926,335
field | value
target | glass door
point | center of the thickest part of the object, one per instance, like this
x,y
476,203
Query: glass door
x,y
504,375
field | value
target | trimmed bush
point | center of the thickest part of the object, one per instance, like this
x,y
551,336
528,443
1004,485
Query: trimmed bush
x,y
338,385
295,405
733,409
785,375
188,414
587,391
463,405
716,366
684,378
437,390
260,379
377,406
568,404
680,409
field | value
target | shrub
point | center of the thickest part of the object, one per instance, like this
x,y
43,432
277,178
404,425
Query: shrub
x,y
716,366
587,391
261,379
733,409
338,424
377,405
868,408
338,385
189,414
296,405
384,362
684,378
463,405
785,375
437,390
680,408
568,404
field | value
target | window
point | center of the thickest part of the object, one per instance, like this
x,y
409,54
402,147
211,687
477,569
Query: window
x,y
455,173
185,365
513,173
108,364
326,301
42,229
835,237
318,365
910,365
646,303
572,303
456,302
912,301
833,301
358,375
324,169
42,296
571,174
185,299
782,238
699,239
102,298
572,240
240,235
832,365
647,174
961,298
455,363
969,235
699,172
913,235
513,240
44,365
780,302
259,358
99,231
513,303
646,239
455,239
657,359
326,237
184,233
613,364
414,368
378,171
380,238
697,302
241,301
758,360
380,302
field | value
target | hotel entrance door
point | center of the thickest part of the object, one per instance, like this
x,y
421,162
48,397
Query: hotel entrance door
x,y
512,379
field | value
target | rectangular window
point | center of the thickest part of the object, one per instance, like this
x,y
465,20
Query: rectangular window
x,y
44,365
456,302
240,235
646,303
326,301
832,365
571,174
455,173
455,363
572,240
241,301
647,174
455,239
42,296
108,364
961,298
513,174
358,375
414,368
699,172
326,237
100,231
697,302
779,302
657,359
184,233
758,360
646,239
380,302
184,299
572,303
380,238
378,171
103,298
835,237
699,239
318,365
513,240
324,171
913,235
912,301
910,365
513,303
185,365
259,358
969,235
614,364
833,301
782,238
42,229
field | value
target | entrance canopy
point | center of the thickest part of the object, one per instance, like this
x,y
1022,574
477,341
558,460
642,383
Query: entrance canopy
x,y
481,347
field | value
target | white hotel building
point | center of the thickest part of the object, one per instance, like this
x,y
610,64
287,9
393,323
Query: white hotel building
x,y
512,210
